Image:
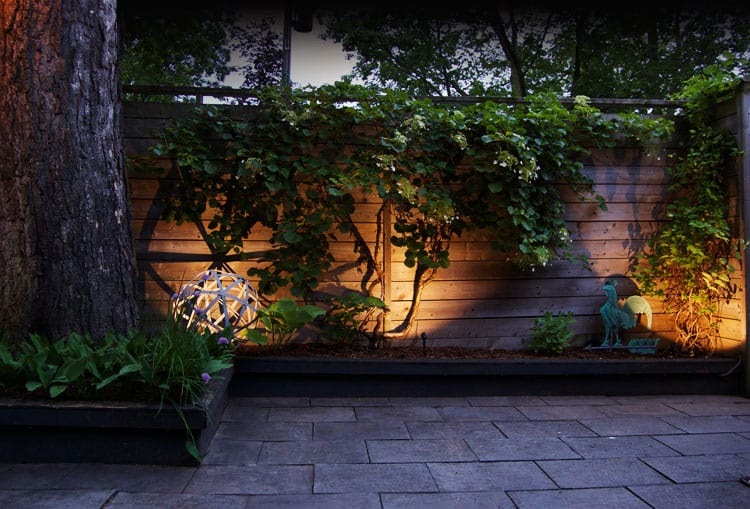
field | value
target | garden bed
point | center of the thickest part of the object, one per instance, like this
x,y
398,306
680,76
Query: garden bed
x,y
429,372
36,430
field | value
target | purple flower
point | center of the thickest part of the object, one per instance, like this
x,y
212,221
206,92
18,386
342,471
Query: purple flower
x,y
205,277
199,311
175,295
206,377
196,293
222,341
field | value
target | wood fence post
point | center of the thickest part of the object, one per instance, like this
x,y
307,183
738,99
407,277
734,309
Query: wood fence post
x,y
743,135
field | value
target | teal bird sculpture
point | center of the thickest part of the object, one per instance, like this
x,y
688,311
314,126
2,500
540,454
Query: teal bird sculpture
x,y
618,317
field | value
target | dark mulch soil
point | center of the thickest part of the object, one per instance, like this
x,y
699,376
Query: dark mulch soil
x,y
408,352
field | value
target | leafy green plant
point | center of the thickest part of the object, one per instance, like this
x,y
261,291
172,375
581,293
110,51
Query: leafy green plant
x,y
551,334
688,262
76,364
347,317
281,320
171,366
438,170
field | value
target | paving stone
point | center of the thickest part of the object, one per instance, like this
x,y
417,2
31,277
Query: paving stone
x,y
350,402
54,499
453,430
586,399
618,447
594,498
177,501
709,468
231,451
399,459
250,415
707,443
600,473
481,413
560,412
472,500
543,429
489,476
359,430
428,401
152,478
319,501
621,426
373,478
252,480
271,401
401,413
32,476
713,408
695,496
512,449
412,451
312,414
313,451
270,431
506,401
655,409
710,424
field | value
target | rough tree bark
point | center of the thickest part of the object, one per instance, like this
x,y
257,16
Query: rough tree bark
x,y
68,262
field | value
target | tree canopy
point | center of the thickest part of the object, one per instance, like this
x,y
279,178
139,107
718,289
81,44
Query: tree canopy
x,y
479,50
515,51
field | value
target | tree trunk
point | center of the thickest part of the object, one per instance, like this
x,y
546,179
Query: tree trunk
x,y
497,24
67,252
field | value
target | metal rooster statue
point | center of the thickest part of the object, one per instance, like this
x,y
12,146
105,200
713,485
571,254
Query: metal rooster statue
x,y
617,317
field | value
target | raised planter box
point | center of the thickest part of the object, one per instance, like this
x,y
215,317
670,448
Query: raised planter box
x,y
109,432
328,377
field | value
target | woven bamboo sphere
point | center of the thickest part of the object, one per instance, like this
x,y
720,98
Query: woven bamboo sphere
x,y
214,300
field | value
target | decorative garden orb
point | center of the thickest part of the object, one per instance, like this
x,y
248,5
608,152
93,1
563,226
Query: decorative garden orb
x,y
215,300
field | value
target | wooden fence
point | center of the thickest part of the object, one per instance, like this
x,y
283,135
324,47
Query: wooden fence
x,y
480,300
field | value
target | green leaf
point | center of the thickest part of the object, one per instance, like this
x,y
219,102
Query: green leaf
x,y
72,369
33,385
192,449
56,390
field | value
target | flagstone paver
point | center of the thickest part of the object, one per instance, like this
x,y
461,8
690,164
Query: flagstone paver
x,y
513,449
618,447
710,424
708,468
589,498
695,496
566,452
316,501
542,429
637,425
312,414
55,499
400,413
481,413
490,476
373,478
706,443
256,479
310,452
473,500
561,412
601,473
456,429
412,451
129,500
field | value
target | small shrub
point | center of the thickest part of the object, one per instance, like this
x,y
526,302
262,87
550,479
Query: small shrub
x,y
280,321
551,334
347,318
173,365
